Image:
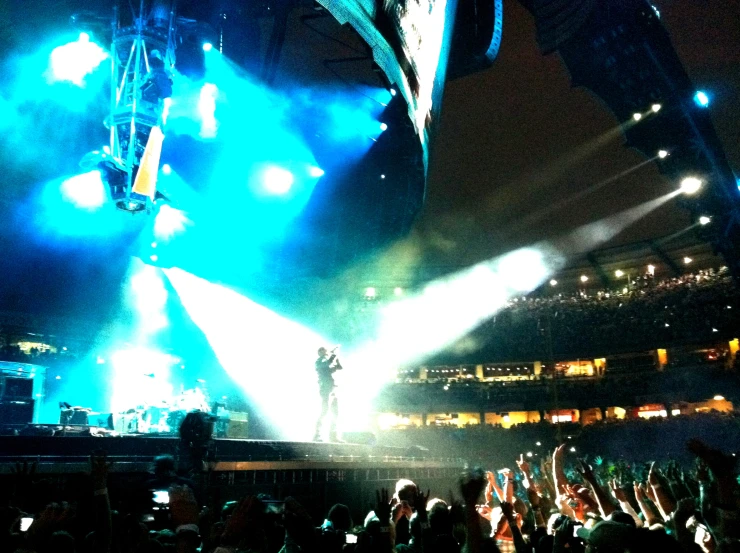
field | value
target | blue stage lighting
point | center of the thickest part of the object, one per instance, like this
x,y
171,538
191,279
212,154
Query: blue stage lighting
x,y
86,191
277,180
383,127
701,99
316,172
207,46
166,169
207,110
75,60
168,222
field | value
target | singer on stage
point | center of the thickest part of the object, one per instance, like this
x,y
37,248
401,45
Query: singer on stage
x,y
326,365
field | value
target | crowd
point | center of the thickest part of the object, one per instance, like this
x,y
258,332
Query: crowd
x,y
694,308
561,504
628,440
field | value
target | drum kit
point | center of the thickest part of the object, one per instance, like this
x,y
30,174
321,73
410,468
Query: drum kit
x,y
163,417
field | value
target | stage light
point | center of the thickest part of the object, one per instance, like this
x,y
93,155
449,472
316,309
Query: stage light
x,y
316,172
207,110
75,60
573,449
691,185
656,108
154,257
245,336
383,127
619,273
584,278
651,269
277,180
687,260
382,176
85,191
168,222
637,116
704,220
538,444
398,291
718,398
166,169
553,282
370,292
207,46
106,149
393,91
701,99
662,154
154,244
140,376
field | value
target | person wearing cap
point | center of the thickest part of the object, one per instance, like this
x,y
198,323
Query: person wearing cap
x,y
608,536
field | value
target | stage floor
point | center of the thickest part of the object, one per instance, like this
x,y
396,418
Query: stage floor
x,y
134,453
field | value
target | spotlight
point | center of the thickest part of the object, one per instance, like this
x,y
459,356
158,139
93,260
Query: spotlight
x,y
619,273
637,116
398,291
166,169
207,46
584,278
382,176
553,282
718,398
383,127
154,245
704,220
701,99
316,172
74,61
656,108
154,257
393,91
651,269
687,260
370,292
662,154
691,185
277,180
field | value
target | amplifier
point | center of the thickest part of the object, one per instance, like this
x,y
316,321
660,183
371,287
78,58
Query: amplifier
x,y
18,388
237,429
16,411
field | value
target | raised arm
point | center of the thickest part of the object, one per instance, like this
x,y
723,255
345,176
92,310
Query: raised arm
x,y
99,466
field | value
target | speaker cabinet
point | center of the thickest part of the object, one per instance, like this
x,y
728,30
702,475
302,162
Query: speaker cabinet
x,y
16,411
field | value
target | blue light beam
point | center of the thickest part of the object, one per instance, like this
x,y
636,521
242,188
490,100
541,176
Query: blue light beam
x,y
249,341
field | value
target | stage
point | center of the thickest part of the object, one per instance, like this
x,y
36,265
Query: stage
x,y
320,474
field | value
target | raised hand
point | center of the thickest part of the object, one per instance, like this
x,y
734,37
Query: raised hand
x,y
420,500
640,495
523,465
471,486
720,464
382,506
99,467
238,522
485,511
183,506
585,470
617,490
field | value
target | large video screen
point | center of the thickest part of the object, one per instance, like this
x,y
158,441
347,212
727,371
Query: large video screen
x,y
410,40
